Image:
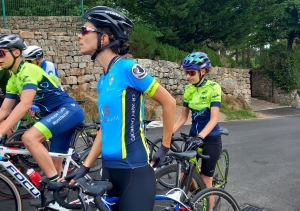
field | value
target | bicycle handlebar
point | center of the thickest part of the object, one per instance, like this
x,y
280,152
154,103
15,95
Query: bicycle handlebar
x,y
96,190
56,187
203,156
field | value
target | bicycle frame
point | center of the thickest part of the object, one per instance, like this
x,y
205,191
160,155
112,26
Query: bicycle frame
x,y
108,201
195,162
23,179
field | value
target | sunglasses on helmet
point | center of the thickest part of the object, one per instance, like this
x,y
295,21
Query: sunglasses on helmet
x,y
190,73
85,30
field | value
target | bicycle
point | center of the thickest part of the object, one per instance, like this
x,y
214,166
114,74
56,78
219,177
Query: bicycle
x,y
10,190
100,200
22,161
221,171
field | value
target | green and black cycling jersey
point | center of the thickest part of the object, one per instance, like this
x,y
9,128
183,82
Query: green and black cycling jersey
x,y
199,100
48,92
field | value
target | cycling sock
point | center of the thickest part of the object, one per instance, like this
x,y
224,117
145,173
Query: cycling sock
x,y
54,178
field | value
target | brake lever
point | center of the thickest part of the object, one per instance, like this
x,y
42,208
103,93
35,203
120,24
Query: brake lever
x,y
86,207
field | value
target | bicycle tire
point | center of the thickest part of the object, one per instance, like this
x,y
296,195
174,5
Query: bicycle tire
x,y
221,171
82,140
225,201
154,146
171,171
7,184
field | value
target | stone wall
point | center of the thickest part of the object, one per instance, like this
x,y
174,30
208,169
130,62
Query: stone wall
x,y
263,87
69,24
76,70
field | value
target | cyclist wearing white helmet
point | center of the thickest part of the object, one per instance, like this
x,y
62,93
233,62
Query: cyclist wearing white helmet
x,y
34,54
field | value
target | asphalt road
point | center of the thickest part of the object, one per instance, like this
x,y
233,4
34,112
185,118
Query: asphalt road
x,y
264,162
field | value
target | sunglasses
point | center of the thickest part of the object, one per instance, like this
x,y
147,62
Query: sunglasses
x,y
2,53
190,73
85,30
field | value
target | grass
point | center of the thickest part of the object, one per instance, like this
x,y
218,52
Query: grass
x,y
90,107
236,109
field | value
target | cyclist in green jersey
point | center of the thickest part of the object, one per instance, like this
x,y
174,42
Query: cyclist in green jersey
x,y
33,84
203,98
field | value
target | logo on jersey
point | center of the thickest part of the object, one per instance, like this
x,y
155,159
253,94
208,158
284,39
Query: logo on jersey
x,y
111,80
138,72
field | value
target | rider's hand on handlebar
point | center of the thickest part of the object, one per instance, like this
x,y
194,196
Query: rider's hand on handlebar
x,y
193,143
33,109
83,170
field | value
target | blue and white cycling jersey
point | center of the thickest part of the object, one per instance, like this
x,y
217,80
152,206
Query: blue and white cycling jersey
x,y
120,105
49,67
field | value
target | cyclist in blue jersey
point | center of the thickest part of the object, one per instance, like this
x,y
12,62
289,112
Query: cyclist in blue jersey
x,y
203,98
121,107
34,54
34,85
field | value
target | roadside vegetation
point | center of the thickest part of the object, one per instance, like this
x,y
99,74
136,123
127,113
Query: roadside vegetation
x,y
236,109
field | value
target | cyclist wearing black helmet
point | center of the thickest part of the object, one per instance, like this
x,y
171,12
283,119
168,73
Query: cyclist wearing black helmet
x,y
203,98
121,105
34,85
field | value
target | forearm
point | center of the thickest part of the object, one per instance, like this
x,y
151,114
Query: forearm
x,y
3,114
168,122
13,117
95,151
180,121
209,127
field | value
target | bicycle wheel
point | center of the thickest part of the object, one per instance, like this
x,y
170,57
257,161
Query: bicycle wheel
x,y
154,146
83,139
223,201
7,188
166,177
221,171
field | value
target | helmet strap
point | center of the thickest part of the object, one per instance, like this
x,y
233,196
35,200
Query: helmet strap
x,y
15,57
99,48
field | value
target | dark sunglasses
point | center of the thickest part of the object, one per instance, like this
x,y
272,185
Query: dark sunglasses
x,y
190,73
85,30
2,53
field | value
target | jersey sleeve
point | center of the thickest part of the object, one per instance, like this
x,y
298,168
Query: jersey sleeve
x,y
29,77
216,95
11,90
139,79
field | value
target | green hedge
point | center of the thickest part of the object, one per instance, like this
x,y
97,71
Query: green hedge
x,y
283,66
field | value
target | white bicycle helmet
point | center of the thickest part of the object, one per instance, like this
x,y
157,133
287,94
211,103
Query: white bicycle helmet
x,y
33,52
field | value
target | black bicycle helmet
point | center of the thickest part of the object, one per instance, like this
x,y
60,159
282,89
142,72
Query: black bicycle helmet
x,y
12,41
106,17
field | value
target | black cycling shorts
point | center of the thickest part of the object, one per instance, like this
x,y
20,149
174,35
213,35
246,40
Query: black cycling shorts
x,y
135,187
212,146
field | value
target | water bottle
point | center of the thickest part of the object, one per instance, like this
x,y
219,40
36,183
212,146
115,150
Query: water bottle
x,y
34,176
